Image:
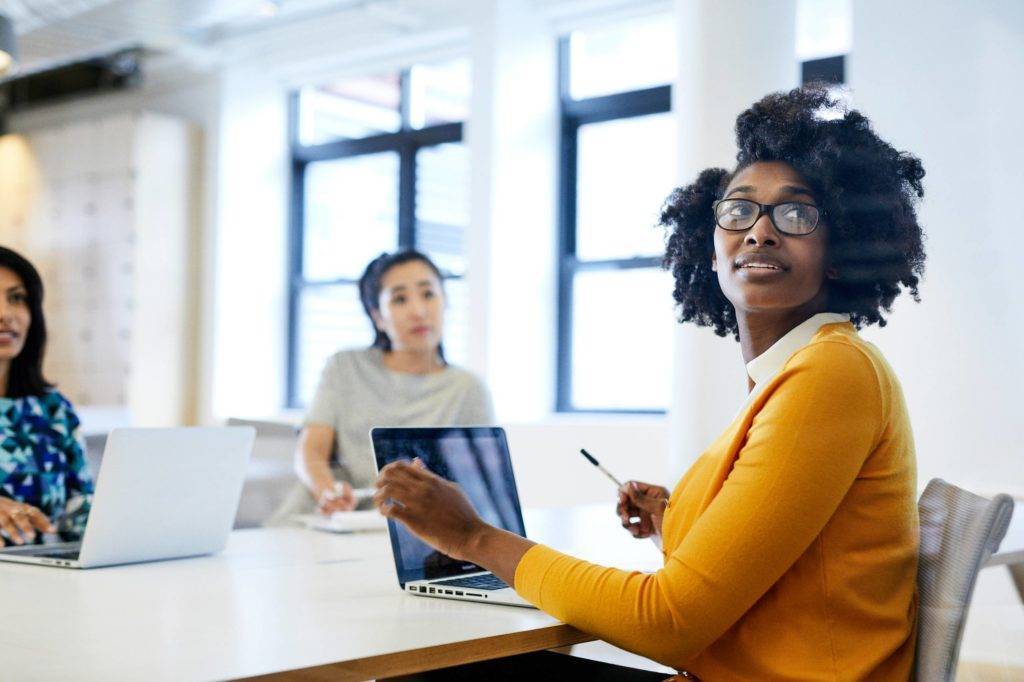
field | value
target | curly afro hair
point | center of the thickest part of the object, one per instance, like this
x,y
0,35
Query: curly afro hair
x,y
866,188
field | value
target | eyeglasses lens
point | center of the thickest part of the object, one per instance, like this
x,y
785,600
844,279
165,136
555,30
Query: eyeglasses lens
x,y
789,218
795,218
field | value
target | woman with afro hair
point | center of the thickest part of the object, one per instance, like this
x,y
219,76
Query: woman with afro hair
x,y
790,546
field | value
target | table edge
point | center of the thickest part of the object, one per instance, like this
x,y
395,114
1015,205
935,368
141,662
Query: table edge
x,y
433,657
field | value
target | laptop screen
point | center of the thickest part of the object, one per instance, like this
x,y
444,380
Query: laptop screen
x,y
476,458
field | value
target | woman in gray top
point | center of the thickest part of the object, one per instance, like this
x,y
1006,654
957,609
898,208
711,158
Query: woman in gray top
x,y
401,380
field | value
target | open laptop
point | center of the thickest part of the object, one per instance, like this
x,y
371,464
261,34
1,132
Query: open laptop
x,y
477,458
160,494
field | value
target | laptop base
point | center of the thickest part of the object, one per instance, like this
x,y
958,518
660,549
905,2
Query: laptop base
x,y
434,588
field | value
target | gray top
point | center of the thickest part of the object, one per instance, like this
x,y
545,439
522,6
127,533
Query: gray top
x,y
357,392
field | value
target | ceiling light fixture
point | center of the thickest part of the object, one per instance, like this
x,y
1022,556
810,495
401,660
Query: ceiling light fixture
x,y
269,8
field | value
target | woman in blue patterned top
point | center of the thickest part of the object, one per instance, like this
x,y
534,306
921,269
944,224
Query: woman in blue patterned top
x,y
45,486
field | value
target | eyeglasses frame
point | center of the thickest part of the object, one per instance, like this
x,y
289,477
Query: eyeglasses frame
x,y
769,209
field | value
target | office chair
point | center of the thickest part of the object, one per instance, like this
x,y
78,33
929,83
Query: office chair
x,y
271,474
959,532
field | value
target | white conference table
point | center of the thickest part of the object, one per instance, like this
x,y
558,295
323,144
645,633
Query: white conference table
x,y
291,603
297,603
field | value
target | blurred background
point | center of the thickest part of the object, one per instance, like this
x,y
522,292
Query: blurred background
x,y
202,181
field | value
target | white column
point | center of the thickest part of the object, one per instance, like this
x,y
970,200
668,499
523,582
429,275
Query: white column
x,y
513,137
941,80
732,53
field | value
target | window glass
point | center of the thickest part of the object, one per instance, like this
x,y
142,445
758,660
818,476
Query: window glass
x,y
350,108
439,93
351,214
625,171
456,321
629,55
622,326
330,319
442,204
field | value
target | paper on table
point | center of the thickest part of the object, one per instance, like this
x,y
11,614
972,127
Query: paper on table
x,y
344,522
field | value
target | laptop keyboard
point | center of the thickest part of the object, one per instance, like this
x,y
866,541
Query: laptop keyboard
x,y
67,554
487,581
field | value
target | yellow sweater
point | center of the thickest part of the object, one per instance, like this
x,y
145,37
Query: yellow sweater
x,y
790,545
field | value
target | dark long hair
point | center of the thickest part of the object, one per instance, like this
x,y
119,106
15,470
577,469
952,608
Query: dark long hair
x,y
370,283
26,373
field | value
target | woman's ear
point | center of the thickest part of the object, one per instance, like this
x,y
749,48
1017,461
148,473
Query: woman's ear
x,y
378,321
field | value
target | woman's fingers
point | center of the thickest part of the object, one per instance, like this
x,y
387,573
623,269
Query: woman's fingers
x,y
23,521
7,526
336,504
394,510
395,491
40,520
650,500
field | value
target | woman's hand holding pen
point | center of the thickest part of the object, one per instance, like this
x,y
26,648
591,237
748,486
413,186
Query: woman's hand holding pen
x,y
338,498
641,508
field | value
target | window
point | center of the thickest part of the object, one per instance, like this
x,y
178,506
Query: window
x,y
618,163
377,164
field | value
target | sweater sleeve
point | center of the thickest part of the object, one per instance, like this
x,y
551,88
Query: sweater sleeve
x,y
78,483
477,407
324,408
803,451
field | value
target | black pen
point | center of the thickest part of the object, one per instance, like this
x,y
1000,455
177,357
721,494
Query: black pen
x,y
590,458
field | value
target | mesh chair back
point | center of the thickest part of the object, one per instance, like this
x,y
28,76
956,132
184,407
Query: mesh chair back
x,y
959,532
271,474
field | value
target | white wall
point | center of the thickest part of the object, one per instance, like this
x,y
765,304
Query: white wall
x,y
193,97
551,472
513,138
948,91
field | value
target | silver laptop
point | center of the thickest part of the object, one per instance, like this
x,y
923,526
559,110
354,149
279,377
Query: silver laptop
x,y
477,458
160,494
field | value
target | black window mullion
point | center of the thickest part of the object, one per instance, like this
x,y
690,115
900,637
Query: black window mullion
x,y
407,197
385,142
295,266
568,129
620,105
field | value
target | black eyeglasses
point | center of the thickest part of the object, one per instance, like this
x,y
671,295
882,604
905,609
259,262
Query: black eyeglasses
x,y
791,217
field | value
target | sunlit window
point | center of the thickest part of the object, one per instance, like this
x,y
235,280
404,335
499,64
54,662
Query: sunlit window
x,y
618,165
378,164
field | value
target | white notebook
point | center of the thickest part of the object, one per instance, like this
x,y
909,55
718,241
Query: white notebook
x,y
345,522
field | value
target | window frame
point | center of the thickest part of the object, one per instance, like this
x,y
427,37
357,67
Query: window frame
x,y
573,114
406,142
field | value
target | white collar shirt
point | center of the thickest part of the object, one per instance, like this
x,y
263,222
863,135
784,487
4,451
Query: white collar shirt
x,y
769,363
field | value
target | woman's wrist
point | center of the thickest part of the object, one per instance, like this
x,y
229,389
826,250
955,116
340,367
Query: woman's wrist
x,y
475,542
497,550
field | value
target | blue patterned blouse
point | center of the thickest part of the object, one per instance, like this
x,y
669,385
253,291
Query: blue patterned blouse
x,y
42,462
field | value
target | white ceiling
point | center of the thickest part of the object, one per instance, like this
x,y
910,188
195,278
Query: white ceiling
x,y
201,33
53,32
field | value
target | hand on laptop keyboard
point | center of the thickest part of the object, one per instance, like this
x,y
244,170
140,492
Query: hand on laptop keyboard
x,y
487,581
19,522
